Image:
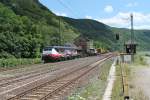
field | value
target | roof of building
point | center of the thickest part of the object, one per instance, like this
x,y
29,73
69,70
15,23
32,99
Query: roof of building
x,y
130,42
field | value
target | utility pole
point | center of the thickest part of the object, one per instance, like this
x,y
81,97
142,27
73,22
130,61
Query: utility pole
x,y
132,31
132,39
59,30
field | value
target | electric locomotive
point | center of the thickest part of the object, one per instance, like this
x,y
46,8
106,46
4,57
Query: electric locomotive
x,y
58,53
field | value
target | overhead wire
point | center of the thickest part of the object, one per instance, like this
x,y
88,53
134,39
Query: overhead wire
x,y
67,7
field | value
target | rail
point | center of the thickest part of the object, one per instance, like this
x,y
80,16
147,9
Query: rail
x,y
85,68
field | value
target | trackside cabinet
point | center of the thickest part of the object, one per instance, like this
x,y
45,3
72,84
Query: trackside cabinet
x,y
130,48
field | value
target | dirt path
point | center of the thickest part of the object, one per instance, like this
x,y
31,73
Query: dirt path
x,y
141,81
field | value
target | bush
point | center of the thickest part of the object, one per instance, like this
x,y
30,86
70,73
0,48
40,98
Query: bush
x,y
12,62
139,59
148,55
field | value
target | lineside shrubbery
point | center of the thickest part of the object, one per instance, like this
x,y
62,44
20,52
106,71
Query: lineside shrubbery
x,y
12,62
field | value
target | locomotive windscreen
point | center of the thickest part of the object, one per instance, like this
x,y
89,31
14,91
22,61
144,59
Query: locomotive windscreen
x,y
47,49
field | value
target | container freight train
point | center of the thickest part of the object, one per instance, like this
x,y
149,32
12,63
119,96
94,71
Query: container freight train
x,y
58,53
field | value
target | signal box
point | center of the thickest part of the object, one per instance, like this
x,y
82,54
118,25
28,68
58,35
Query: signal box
x,y
130,48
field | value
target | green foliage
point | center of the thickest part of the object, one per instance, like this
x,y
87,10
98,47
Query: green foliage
x,y
17,62
147,55
18,35
141,37
27,26
102,34
117,93
140,60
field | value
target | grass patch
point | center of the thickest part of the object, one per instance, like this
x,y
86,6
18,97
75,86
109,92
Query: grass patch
x,y
139,60
117,93
7,63
138,95
147,55
95,89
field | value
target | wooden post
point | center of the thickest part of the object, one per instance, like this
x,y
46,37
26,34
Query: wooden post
x,y
124,76
125,82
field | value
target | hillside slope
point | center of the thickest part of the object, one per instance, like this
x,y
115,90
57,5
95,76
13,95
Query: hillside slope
x,y
27,26
104,35
142,37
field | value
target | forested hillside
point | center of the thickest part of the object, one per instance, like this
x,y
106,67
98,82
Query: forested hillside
x,y
142,37
26,26
104,36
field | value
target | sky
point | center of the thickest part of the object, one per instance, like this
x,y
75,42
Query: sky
x,y
115,13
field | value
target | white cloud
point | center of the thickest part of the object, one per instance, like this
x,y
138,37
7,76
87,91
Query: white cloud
x,y
60,14
142,27
122,20
88,17
108,9
132,4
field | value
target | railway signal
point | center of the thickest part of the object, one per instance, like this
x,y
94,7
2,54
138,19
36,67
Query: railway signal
x,y
131,45
117,36
59,30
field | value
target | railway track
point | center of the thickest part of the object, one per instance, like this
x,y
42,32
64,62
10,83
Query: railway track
x,y
41,71
39,68
20,85
53,89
